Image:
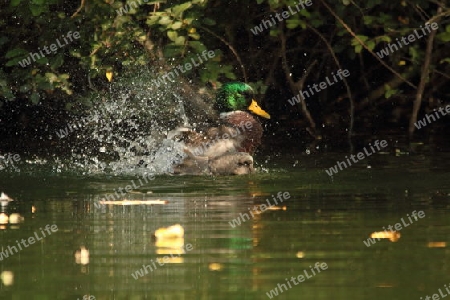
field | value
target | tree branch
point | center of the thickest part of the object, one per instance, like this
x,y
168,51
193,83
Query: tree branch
x,y
423,79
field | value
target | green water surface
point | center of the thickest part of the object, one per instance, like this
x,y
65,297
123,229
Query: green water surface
x,y
325,220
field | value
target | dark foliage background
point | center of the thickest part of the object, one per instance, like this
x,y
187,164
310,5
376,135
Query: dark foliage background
x,y
381,94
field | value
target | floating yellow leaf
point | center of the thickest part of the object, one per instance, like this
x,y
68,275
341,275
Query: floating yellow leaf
x,y
215,267
277,208
7,278
437,244
15,218
300,254
393,236
82,256
173,245
171,232
4,218
135,202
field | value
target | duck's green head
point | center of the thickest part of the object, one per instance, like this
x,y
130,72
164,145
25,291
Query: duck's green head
x,y
238,96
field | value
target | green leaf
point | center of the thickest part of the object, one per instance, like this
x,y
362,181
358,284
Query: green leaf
x,y
15,3
42,61
24,88
37,10
363,38
178,9
172,50
15,61
415,55
51,77
152,20
177,25
45,85
273,32
35,97
165,20
208,21
444,36
198,46
188,21
385,38
195,36
305,13
180,40
370,45
172,35
316,22
16,52
389,91
57,61
368,20
292,23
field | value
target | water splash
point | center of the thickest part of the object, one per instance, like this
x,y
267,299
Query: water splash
x,y
127,133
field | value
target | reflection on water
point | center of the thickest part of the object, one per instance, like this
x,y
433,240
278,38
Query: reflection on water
x,y
97,248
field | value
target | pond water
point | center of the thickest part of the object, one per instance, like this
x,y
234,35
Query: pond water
x,y
325,220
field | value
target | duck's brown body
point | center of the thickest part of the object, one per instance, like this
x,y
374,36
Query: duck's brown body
x,y
226,149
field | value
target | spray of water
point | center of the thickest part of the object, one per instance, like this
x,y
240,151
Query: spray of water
x,y
127,128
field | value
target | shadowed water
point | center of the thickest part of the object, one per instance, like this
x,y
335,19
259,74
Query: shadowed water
x,y
326,220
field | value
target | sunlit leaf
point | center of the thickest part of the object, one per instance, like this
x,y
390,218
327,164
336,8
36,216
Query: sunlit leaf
x,y
172,35
195,36
109,75
165,20
177,25
370,45
180,40
178,9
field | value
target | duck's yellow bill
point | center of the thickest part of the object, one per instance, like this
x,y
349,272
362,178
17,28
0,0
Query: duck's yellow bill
x,y
254,108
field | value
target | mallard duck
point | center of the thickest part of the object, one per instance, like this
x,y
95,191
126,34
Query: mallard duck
x,y
225,149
